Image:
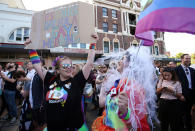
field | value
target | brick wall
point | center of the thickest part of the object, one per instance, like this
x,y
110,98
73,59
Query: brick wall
x,y
108,19
161,47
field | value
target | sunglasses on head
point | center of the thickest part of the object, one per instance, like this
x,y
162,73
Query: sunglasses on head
x,y
66,66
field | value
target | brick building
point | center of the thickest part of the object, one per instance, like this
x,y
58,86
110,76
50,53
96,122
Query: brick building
x,y
115,22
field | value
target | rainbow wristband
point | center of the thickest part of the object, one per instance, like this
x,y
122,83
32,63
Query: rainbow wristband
x,y
122,116
128,115
125,116
34,57
92,46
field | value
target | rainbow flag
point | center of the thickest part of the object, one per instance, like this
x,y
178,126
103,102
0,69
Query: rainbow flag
x,y
165,16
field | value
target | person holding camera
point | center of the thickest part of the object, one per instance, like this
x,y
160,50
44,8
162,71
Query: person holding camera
x,y
171,93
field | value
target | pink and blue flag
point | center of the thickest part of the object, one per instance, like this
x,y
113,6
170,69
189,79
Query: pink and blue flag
x,y
165,16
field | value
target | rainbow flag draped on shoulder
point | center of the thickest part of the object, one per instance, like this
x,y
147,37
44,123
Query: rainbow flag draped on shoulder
x,y
165,15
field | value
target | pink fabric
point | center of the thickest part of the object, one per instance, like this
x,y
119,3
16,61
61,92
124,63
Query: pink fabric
x,y
175,19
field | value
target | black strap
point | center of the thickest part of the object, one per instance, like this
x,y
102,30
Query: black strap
x,y
43,99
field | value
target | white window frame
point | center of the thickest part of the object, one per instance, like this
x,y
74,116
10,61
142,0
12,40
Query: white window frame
x,y
83,44
103,26
116,28
103,46
116,14
74,46
103,13
115,41
15,33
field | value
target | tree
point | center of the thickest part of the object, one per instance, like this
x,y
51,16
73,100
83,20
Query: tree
x,y
193,58
179,55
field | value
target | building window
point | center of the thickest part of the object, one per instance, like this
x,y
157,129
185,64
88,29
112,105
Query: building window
x,y
116,47
11,36
83,45
156,50
20,34
114,15
115,29
74,44
105,26
106,47
132,19
104,11
132,30
26,34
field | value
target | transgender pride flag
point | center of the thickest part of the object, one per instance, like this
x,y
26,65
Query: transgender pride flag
x,y
166,15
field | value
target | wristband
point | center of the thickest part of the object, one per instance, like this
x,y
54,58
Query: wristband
x,y
122,116
125,116
34,57
128,115
92,46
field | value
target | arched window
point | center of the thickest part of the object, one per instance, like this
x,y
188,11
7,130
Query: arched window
x,y
106,45
20,34
116,45
135,43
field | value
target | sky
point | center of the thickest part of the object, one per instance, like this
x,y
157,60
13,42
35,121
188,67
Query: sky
x,y
175,42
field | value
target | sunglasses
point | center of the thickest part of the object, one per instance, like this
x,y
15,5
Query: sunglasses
x,y
66,66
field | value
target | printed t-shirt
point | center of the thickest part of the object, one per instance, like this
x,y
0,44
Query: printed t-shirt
x,y
64,101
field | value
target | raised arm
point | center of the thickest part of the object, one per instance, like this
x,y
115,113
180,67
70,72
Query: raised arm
x,y
35,59
90,59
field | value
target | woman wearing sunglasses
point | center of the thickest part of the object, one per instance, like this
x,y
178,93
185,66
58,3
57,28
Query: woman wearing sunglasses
x,y
64,92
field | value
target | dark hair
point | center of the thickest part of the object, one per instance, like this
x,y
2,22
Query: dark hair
x,y
174,62
50,68
156,62
19,74
173,73
182,57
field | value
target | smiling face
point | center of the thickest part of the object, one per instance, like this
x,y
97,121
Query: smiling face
x,y
65,68
186,61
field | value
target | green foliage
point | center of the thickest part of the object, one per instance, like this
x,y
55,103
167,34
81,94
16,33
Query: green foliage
x,y
193,58
179,55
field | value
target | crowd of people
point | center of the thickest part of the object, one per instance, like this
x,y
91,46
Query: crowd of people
x,y
176,95
56,98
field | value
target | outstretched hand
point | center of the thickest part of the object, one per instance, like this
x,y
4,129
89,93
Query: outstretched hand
x,y
27,42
